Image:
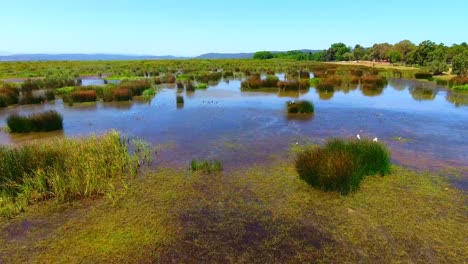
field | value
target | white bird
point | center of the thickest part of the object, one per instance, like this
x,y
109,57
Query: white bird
x,y
358,136
375,140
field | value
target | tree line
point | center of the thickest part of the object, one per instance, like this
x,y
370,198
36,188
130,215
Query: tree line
x,y
436,58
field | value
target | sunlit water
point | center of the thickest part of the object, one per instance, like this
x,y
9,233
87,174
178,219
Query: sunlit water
x,y
425,126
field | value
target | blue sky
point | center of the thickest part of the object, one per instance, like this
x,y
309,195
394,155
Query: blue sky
x,y
187,28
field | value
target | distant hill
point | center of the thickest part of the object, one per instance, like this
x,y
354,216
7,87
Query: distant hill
x,y
84,57
5,56
225,56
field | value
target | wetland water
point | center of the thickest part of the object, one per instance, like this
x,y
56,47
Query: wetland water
x,y
425,126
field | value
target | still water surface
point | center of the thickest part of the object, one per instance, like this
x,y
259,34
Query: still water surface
x,y
425,126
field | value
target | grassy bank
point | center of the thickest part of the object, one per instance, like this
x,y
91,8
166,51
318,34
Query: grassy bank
x,y
63,170
260,214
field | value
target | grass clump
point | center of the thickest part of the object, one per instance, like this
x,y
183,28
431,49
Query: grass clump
x,y
84,96
65,169
65,90
462,88
206,166
300,107
9,95
41,122
149,93
201,86
180,99
341,165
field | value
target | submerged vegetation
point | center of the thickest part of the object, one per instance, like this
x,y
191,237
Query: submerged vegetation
x,y
39,122
341,165
206,166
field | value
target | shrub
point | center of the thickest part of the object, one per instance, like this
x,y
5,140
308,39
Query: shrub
x,y
190,87
270,81
30,98
206,77
441,82
9,95
304,75
41,122
300,107
423,75
458,80
206,166
374,81
136,87
329,83
255,82
340,165
122,94
50,95
148,93
84,96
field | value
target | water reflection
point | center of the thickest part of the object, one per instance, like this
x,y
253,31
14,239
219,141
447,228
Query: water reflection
x,y
458,99
422,93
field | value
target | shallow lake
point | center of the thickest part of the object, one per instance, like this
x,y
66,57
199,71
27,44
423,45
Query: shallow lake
x,y
425,126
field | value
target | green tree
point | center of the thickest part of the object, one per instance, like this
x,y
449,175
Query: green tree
x,y
336,52
404,47
380,51
460,63
263,55
421,55
359,52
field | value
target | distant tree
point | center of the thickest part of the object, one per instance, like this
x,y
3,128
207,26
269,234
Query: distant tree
x,y
336,52
460,63
404,47
438,59
318,56
263,55
348,56
394,55
359,52
421,55
379,51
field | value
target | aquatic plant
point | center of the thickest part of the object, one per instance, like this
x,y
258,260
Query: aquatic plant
x,y
206,166
180,85
84,96
122,94
65,170
9,94
148,93
180,99
300,107
65,90
341,165
201,86
423,75
39,122
30,98
460,88
49,95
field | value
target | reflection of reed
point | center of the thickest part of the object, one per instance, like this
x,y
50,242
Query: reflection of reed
x,y
458,99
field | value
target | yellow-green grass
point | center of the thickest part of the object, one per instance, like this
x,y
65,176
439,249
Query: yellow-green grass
x,y
258,214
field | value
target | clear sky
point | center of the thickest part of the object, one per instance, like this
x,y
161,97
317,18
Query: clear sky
x,y
188,28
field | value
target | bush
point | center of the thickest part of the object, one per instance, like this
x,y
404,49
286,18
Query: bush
x,y
9,95
122,94
423,75
84,96
148,93
30,98
255,82
136,87
300,107
370,81
341,165
458,80
41,122
206,166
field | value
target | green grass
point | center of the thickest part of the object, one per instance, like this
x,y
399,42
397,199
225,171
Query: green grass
x,y
149,93
38,122
201,86
206,166
65,90
341,165
299,107
460,88
254,214
63,170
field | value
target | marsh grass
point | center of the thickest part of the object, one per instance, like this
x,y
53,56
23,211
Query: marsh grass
x,y
179,99
9,94
341,165
84,96
201,86
149,93
65,170
460,88
39,122
206,166
300,107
